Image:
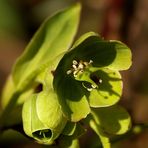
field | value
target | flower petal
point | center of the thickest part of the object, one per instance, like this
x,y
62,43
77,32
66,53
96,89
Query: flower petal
x,y
109,90
112,120
71,96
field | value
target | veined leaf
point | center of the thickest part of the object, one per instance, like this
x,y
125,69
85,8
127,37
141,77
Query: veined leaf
x,y
52,38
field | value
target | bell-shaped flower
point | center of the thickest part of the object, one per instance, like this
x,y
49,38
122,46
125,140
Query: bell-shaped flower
x,y
42,116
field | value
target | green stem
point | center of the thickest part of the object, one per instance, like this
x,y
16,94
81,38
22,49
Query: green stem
x,y
105,141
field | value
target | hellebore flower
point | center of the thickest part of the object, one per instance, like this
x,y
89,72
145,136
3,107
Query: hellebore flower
x,y
87,76
87,81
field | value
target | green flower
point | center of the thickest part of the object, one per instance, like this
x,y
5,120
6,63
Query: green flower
x,y
43,119
87,76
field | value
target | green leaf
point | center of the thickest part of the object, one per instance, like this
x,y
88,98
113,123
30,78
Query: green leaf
x,y
108,88
112,120
7,92
52,38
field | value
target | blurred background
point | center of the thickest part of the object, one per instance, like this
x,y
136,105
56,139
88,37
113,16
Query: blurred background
x,y
125,20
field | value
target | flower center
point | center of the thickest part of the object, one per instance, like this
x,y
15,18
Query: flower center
x,y
78,67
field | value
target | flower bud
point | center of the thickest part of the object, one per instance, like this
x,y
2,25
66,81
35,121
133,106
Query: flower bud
x,y
43,119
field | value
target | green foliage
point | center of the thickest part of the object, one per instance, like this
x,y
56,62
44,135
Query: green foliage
x,y
82,82
52,39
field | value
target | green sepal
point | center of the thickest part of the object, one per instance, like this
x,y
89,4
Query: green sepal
x,y
112,120
69,128
71,96
75,130
71,140
108,88
89,36
52,38
123,57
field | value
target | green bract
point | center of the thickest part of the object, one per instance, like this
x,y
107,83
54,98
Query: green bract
x,y
52,39
81,82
